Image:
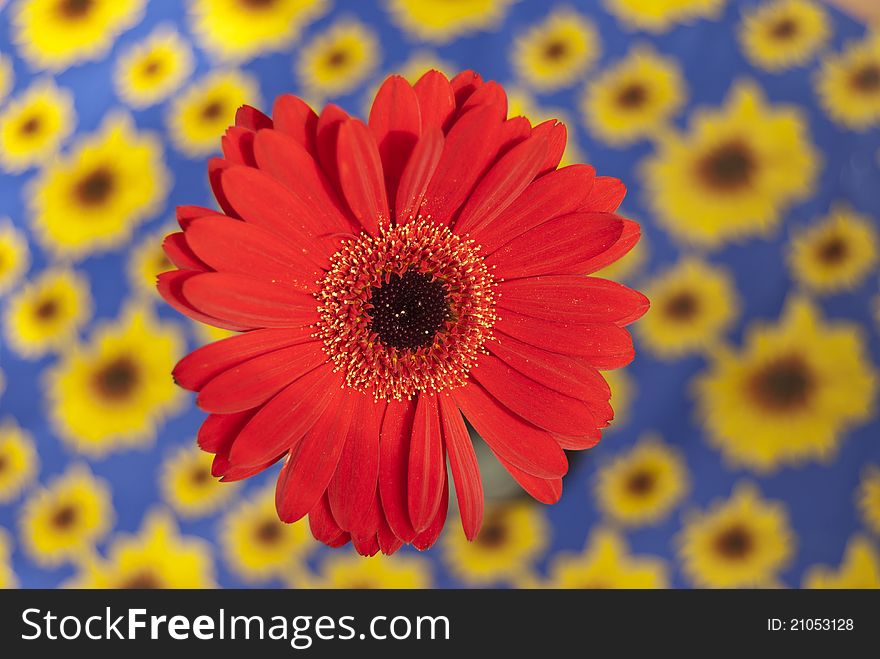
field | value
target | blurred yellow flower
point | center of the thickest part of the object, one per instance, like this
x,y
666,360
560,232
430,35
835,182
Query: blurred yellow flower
x,y
151,69
34,124
693,304
606,563
54,34
18,460
660,15
48,312
188,486
241,29
782,34
65,519
406,571
513,535
147,260
15,257
860,568
848,84
557,52
634,98
7,576
115,389
744,541
339,59
790,394
440,21
258,546
734,172
869,497
201,113
643,485
91,199
837,254
156,557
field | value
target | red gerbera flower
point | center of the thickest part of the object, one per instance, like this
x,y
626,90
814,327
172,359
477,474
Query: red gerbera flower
x,y
389,280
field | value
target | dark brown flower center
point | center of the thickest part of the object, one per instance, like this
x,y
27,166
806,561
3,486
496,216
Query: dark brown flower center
x,y
268,532
47,309
75,9
212,110
151,66
64,517
632,96
555,50
95,187
682,306
833,251
734,543
493,534
641,482
144,580
257,4
199,476
783,384
3,463
31,126
337,58
407,312
118,379
728,167
867,79
784,29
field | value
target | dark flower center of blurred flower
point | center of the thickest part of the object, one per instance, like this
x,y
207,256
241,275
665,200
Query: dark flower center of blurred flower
x,y
95,187
337,58
408,311
3,463
117,379
200,476
143,580
75,8
682,306
555,50
212,110
833,251
735,542
268,532
632,96
493,534
783,384
151,66
257,4
31,126
47,309
641,482
785,29
867,79
728,166
64,517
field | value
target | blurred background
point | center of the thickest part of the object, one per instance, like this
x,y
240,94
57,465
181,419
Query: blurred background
x,y
746,448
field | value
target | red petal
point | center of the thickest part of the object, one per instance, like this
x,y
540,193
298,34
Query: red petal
x,y
218,431
290,163
388,542
502,184
283,421
170,287
470,147
395,122
428,537
394,443
572,299
436,100
465,84
427,463
361,176
180,254
238,146
187,213
366,546
557,136
585,441
544,490
628,239
367,534
327,132
558,193
311,465
235,247
202,365
602,345
464,467
522,444
539,405
251,118
564,245
490,95
293,116
352,489
249,302
216,167
606,195
417,174
255,381
262,201
324,528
